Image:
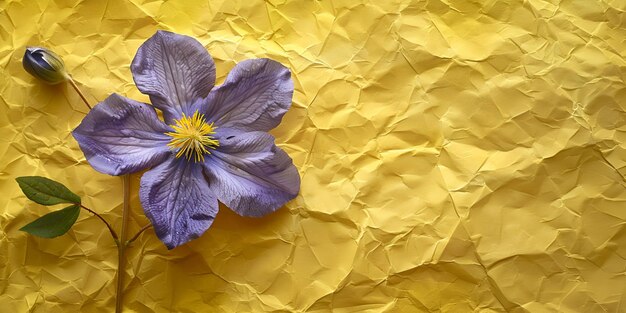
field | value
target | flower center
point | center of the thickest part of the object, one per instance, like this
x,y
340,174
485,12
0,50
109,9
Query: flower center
x,y
192,136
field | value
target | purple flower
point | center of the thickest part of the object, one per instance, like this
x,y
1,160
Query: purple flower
x,y
212,146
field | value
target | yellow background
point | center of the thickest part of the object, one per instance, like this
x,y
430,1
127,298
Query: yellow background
x,y
455,156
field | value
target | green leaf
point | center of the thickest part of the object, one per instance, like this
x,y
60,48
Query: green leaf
x,y
46,191
53,224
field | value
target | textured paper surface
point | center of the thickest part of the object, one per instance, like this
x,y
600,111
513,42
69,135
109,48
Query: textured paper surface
x,y
456,156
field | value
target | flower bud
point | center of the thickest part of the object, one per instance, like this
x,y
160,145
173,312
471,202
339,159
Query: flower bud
x,y
45,65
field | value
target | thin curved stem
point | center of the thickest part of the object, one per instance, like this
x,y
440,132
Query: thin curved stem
x,y
121,267
111,230
137,234
82,96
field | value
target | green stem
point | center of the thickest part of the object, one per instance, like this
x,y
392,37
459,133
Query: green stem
x,y
121,241
121,248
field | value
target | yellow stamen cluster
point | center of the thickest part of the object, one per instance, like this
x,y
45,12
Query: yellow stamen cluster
x,y
192,137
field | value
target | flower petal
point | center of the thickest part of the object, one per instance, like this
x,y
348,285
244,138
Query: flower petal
x,y
175,71
250,174
254,97
177,200
121,136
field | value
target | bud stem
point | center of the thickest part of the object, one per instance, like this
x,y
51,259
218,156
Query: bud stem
x,y
73,83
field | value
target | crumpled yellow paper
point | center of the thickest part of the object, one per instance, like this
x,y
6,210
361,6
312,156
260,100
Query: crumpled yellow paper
x,y
456,156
